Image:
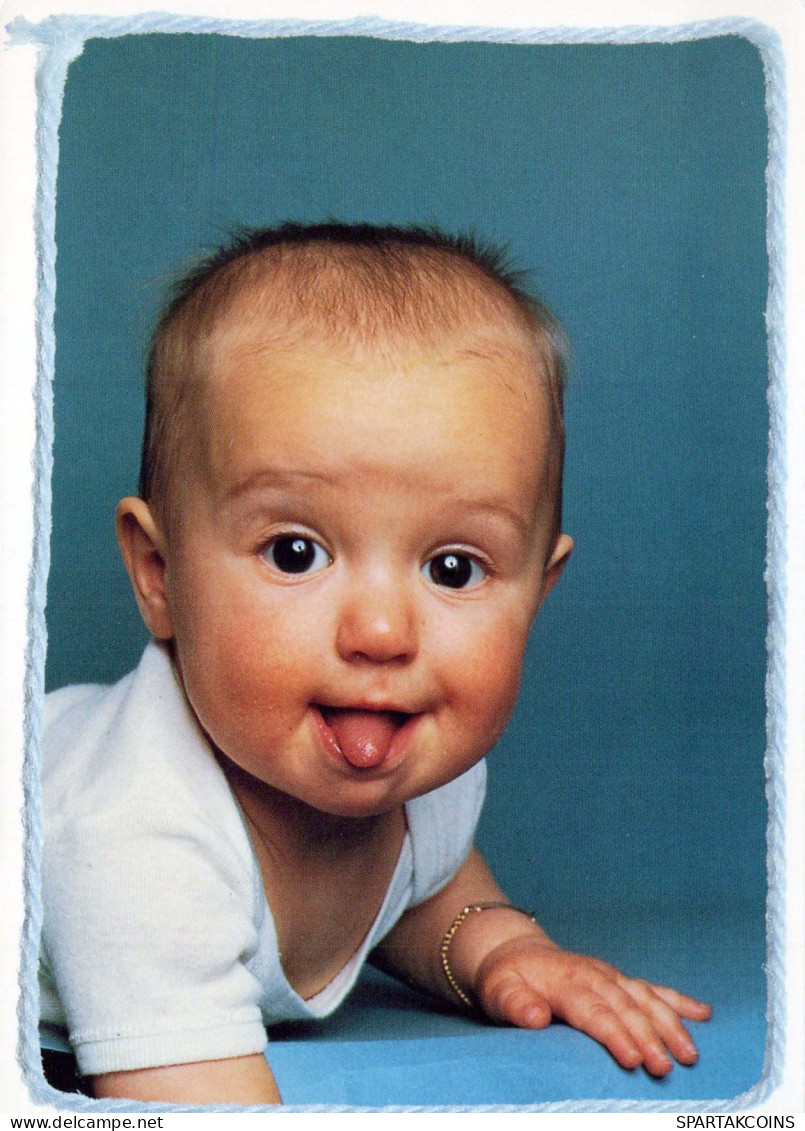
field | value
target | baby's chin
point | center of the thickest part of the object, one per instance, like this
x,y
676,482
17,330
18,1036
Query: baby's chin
x,y
348,805
364,800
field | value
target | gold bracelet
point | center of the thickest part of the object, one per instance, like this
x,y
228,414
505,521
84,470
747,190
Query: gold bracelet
x,y
448,938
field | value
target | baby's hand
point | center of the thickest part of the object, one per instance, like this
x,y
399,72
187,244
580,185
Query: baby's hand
x,y
527,982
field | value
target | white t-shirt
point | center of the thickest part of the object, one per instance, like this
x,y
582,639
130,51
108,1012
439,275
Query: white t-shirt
x,y
158,945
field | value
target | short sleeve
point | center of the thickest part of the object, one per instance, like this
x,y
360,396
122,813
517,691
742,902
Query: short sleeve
x,y
442,828
149,926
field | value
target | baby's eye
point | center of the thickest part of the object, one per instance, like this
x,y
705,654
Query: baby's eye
x,y
295,553
454,571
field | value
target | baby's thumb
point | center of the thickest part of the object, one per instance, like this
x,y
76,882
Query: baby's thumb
x,y
512,1000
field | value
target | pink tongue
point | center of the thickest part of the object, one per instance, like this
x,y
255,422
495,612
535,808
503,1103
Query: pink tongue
x,y
364,736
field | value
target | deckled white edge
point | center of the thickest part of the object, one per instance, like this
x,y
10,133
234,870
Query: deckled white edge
x,y
622,20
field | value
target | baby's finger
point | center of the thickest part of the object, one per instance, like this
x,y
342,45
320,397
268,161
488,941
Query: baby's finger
x,y
508,998
653,1024
595,1017
685,1006
665,1021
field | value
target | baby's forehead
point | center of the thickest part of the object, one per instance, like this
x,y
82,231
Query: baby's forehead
x,y
270,389
441,414
470,358
414,388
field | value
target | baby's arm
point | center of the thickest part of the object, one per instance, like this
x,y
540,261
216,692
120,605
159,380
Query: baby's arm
x,y
238,1080
517,975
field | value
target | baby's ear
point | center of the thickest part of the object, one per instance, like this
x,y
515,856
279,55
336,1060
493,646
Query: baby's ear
x,y
562,549
142,545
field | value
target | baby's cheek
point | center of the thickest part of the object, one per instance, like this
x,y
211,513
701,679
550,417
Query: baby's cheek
x,y
492,678
235,688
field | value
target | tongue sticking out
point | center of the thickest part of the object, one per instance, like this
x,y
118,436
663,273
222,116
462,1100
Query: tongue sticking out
x,y
363,736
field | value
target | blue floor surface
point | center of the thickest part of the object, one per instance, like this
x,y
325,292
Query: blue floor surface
x,y
389,1046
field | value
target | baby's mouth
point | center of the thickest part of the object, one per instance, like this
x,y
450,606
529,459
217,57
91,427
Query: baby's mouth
x,y
363,737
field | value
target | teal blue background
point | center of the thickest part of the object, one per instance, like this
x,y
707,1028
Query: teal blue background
x,y
626,800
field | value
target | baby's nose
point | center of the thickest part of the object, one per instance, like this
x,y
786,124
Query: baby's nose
x,y
378,623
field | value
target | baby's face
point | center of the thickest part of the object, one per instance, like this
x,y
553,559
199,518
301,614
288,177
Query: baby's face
x,y
366,543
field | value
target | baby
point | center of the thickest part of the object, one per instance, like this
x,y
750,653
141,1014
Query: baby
x,y
349,517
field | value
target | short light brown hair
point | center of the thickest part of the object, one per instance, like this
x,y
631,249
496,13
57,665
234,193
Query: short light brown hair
x,y
354,283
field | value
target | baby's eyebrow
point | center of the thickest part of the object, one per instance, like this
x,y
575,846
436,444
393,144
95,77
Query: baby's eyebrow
x,y
495,509
266,481
267,478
